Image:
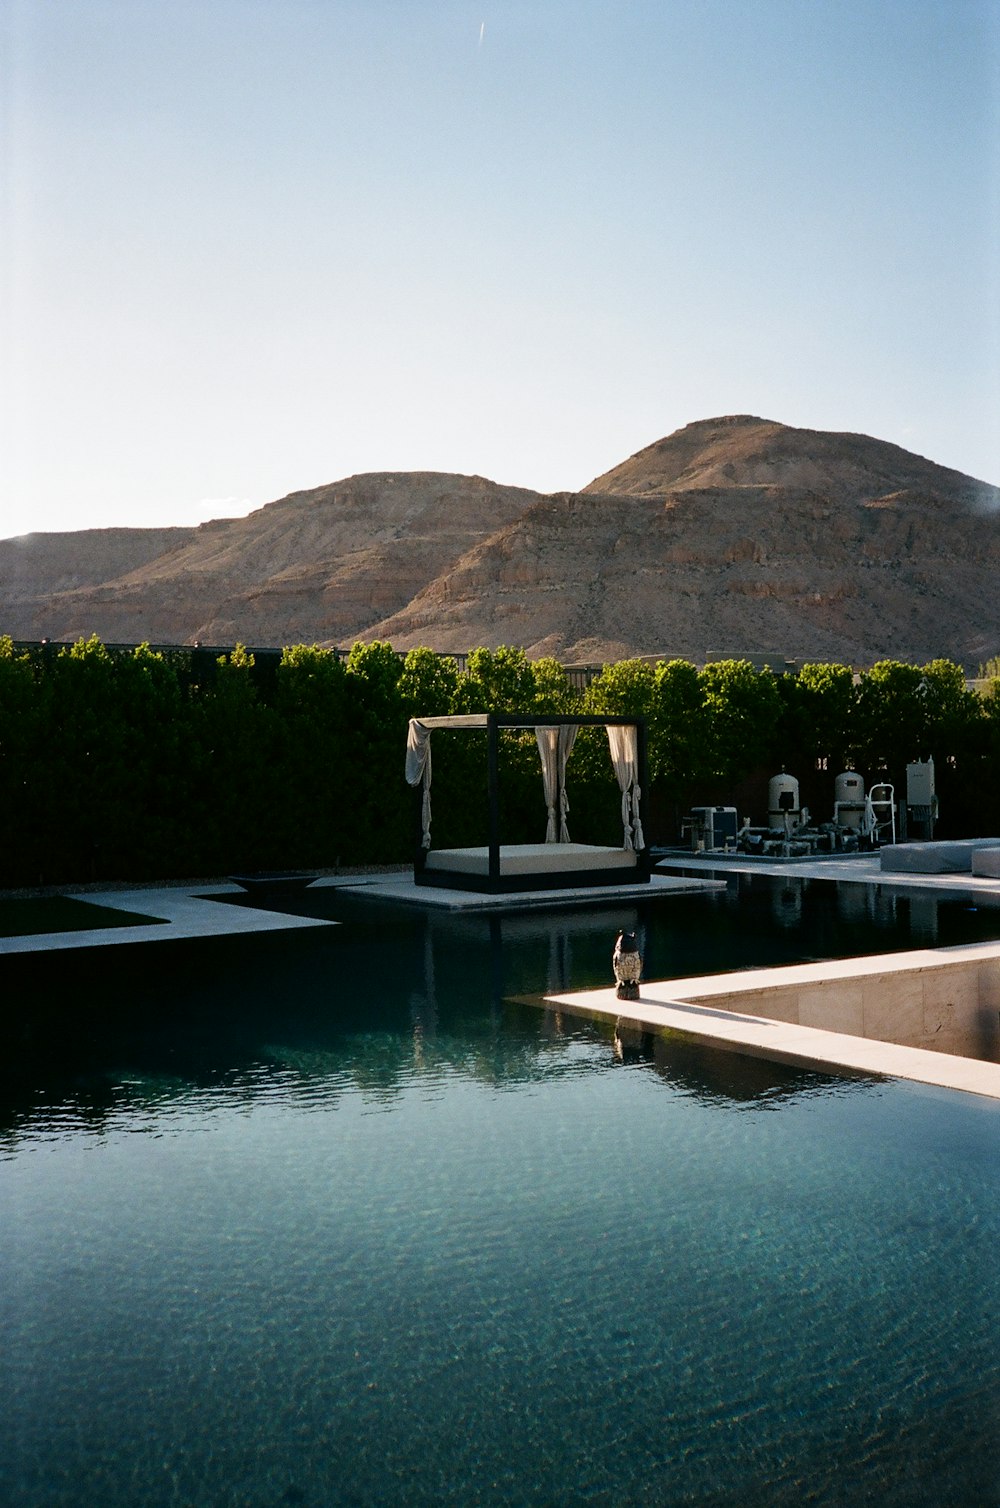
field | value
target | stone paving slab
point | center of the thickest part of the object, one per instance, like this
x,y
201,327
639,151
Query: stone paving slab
x,y
404,891
661,1007
831,969
188,913
864,869
185,911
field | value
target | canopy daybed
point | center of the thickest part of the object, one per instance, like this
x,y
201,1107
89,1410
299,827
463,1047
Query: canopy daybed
x,y
558,863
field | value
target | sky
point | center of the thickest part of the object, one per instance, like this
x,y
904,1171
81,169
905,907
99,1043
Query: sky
x,y
254,246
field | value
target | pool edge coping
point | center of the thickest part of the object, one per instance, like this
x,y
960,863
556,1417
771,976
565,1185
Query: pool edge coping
x,y
672,1005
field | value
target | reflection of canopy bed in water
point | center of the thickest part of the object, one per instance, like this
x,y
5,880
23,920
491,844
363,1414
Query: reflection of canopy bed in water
x,y
557,863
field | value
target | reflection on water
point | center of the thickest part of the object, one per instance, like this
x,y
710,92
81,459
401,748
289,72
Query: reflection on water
x,y
146,1056
332,1219
690,1066
391,996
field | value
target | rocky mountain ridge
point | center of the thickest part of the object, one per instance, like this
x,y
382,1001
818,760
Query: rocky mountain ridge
x,y
734,534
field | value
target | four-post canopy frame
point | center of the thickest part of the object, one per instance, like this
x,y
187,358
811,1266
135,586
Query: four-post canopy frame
x,y
495,723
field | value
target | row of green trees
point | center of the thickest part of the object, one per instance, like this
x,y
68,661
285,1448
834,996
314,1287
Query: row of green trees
x,y
140,764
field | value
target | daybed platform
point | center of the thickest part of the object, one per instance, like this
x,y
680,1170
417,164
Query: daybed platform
x,y
503,868
532,866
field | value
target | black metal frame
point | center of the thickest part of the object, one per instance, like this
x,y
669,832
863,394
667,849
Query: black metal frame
x,y
493,883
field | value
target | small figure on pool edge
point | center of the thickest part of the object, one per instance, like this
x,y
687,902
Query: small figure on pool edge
x,y
627,965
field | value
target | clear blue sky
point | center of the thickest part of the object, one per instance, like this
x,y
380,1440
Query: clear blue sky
x,y
252,246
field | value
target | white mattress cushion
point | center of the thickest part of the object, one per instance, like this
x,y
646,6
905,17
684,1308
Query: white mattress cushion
x,y
532,858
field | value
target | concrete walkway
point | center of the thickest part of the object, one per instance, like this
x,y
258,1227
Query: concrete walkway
x,y
184,910
861,869
401,890
187,913
667,1006
664,1006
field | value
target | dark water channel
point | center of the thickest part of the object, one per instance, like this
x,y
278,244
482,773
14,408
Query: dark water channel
x,y
328,1218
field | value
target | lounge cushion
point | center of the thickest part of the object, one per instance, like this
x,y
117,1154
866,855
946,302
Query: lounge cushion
x,y
954,857
986,862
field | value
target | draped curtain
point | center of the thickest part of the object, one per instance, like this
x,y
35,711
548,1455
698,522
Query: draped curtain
x,y
554,747
418,769
623,740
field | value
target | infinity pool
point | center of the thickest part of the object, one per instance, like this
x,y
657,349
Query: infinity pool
x,y
328,1219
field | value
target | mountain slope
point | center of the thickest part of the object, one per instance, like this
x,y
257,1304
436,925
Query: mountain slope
x,y
692,573
39,565
319,565
742,451
735,534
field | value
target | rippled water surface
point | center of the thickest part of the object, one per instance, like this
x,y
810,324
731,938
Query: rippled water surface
x,y
331,1219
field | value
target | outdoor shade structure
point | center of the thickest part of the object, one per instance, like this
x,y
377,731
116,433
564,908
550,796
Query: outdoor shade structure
x,y
556,863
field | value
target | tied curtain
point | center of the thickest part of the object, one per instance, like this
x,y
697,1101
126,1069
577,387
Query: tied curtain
x,y
554,747
623,740
418,769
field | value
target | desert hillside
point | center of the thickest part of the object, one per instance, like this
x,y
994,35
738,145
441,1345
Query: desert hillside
x,y
42,564
318,566
741,451
733,535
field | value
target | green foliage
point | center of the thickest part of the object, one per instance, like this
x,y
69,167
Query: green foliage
x,y
374,754
428,683
88,738
17,683
742,709
679,733
310,683
890,714
951,712
233,759
496,680
990,671
119,764
378,666
910,712
990,704
819,717
25,720
553,693
626,689
311,698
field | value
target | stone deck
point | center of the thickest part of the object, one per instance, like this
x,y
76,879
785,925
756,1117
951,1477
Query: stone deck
x,y
815,1014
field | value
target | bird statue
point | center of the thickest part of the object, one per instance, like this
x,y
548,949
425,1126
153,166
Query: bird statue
x,y
627,965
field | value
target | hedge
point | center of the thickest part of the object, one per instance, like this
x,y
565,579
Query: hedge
x,y
135,764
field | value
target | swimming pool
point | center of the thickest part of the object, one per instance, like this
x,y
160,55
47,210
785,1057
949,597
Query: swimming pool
x,y
328,1219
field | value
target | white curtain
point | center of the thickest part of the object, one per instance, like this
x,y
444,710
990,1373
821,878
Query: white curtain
x,y
418,769
623,739
554,747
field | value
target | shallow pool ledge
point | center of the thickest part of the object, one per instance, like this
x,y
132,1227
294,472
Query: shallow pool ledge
x,y
915,1015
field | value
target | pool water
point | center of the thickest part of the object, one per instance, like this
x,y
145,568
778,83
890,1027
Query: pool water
x,y
330,1219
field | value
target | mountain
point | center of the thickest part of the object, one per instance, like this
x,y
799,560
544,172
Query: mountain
x,y
736,535
741,451
41,564
318,566
732,535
